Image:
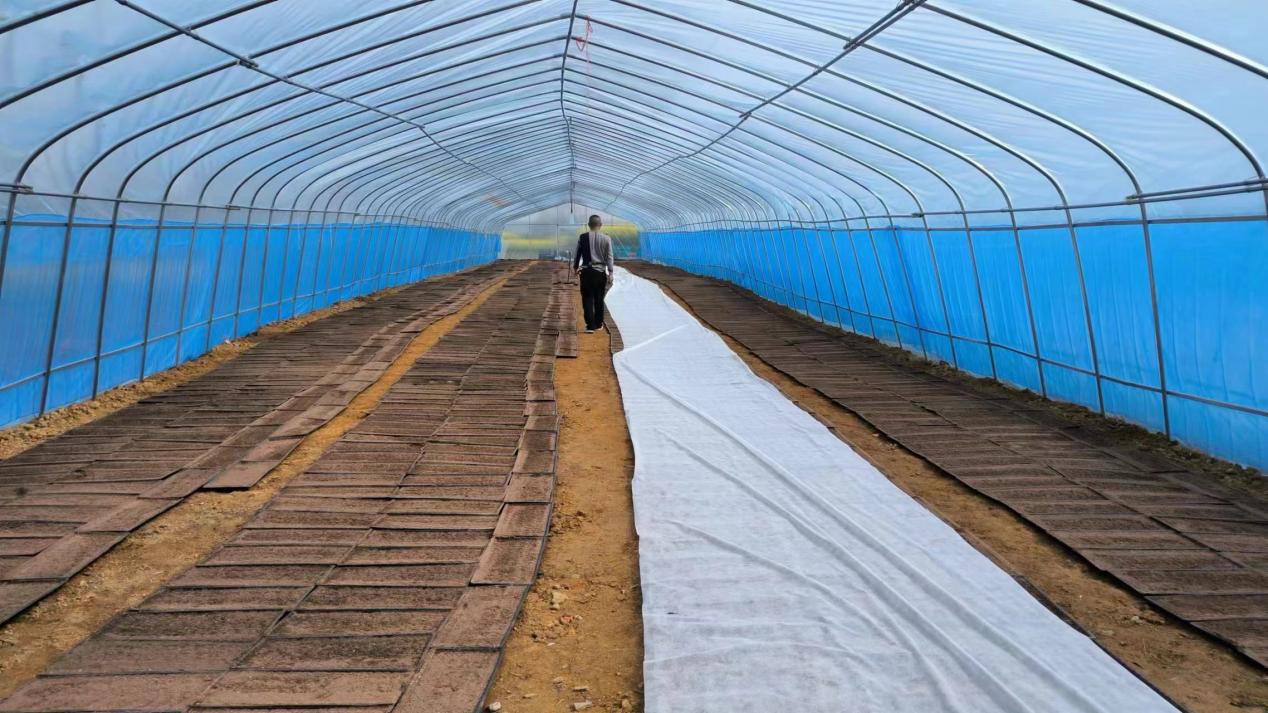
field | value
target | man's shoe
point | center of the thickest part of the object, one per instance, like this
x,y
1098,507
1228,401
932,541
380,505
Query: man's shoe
x,y
589,331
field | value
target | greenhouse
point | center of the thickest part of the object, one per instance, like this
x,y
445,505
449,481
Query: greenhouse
x,y
663,355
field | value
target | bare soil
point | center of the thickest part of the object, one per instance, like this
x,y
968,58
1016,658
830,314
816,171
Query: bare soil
x,y
580,635
181,537
1199,674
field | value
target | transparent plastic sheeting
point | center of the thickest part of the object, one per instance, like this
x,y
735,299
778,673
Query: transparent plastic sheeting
x,y
135,301
659,111
943,114
1084,295
781,571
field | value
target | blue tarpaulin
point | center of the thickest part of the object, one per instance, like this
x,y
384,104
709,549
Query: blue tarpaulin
x,y
136,300
1067,314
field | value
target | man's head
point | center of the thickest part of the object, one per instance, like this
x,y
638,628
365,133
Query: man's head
x,y
595,222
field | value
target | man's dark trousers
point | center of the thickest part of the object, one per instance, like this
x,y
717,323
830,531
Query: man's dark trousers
x,y
593,284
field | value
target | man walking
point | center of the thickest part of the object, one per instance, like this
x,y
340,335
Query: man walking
x,y
594,265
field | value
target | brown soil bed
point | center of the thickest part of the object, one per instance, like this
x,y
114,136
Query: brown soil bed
x,y
1200,675
178,539
18,438
580,635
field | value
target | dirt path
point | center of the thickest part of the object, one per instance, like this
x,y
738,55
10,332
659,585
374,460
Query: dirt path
x,y
1199,674
580,636
168,545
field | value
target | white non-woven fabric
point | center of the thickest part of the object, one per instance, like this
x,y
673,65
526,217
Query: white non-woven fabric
x,y
782,572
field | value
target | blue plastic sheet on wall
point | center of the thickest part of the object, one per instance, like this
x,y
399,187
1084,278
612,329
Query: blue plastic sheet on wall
x,y
138,300
1065,312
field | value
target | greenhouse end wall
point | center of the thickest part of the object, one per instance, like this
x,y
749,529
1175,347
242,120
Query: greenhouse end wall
x,y
102,305
1069,314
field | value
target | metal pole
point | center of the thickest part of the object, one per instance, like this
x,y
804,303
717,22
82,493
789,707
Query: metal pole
x,y
942,297
858,269
215,280
1153,305
1030,313
845,288
189,259
981,301
57,306
149,292
264,268
823,255
105,292
242,267
911,293
286,254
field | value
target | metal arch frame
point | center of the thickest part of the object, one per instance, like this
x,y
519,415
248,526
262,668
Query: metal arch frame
x,y
1107,73
552,140
160,226
412,109
1195,43
786,201
567,127
605,127
773,157
702,197
106,111
563,64
22,21
757,74
1091,336
903,8
799,112
472,131
680,118
366,176
583,190
144,44
416,161
591,117
1079,131
639,207
1133,84
535,152
985,325
1161,96
1046,174
292,117
472,78
998,143
782,127
286,137
605,130
880,272
287,167
544,124
697,191
248,113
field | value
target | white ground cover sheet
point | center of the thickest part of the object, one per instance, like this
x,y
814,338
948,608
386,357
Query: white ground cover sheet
x,y
782,572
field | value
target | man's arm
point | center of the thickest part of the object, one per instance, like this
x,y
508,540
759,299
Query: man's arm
x,y
610,260
576,255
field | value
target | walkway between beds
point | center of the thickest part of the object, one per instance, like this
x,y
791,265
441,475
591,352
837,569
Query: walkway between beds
x,y
781,571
